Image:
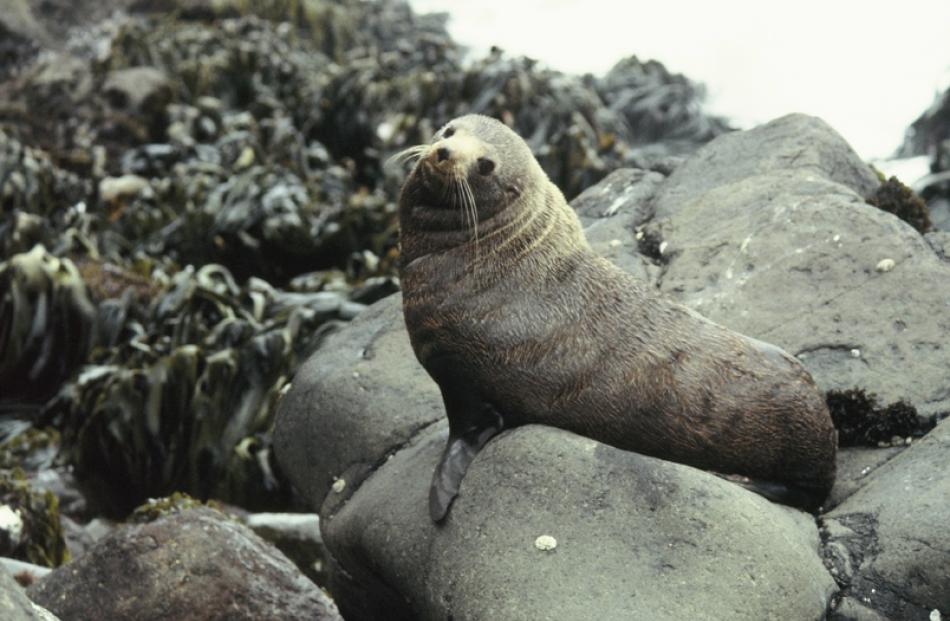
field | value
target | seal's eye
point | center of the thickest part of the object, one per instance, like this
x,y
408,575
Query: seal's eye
x,y
485,166
449,131
512,192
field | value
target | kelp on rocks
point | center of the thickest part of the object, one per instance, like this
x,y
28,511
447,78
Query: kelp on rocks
x,y
47,325
579,128
188,404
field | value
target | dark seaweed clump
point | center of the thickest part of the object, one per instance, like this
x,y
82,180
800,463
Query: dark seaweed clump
x,y
894,197
38,535
193,195
862,421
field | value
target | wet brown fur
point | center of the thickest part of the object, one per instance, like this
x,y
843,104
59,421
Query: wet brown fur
x,y
548,332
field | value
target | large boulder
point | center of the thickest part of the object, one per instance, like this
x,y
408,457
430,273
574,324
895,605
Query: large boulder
x,y
634,538
196,564
769,234
359,400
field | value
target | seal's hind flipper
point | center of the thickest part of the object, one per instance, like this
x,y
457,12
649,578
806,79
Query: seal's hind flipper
x,y
798,496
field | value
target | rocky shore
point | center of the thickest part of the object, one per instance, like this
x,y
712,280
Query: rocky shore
x,y
766,231
198,242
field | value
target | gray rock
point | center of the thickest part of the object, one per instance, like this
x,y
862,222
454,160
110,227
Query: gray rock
x,y
895,529
15,605
769,235
82,537
636,537
43,614
626,192
940,213
298,536
612,212
856,466
940,242
850,609
793,143
358,400
197,564
16,567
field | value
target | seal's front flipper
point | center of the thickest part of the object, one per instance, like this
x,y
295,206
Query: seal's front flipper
x,y
459,453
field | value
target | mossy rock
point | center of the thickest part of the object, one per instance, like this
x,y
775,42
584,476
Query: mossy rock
x,y
178,502
30,529
34,449
896,198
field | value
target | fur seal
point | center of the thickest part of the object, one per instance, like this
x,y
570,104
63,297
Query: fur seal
x,y
519,321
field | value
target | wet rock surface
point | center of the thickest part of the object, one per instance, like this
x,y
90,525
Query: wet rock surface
x,y
298,536
745,232
856,467
197,564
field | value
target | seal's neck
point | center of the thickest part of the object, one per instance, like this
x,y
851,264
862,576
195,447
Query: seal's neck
x,y
540,231
425,230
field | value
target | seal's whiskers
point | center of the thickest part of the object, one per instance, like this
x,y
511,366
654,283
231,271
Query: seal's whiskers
x,y
473,208
408,154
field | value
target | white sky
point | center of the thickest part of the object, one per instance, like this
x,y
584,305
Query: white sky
x,y
867,68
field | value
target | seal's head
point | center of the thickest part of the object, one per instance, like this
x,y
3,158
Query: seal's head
x,y
470,178
493,160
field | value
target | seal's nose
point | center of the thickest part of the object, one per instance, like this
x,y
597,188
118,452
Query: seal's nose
x,y
442,153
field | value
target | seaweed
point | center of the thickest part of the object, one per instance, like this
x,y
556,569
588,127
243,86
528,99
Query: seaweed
x,y
896,198
861,420
31,529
